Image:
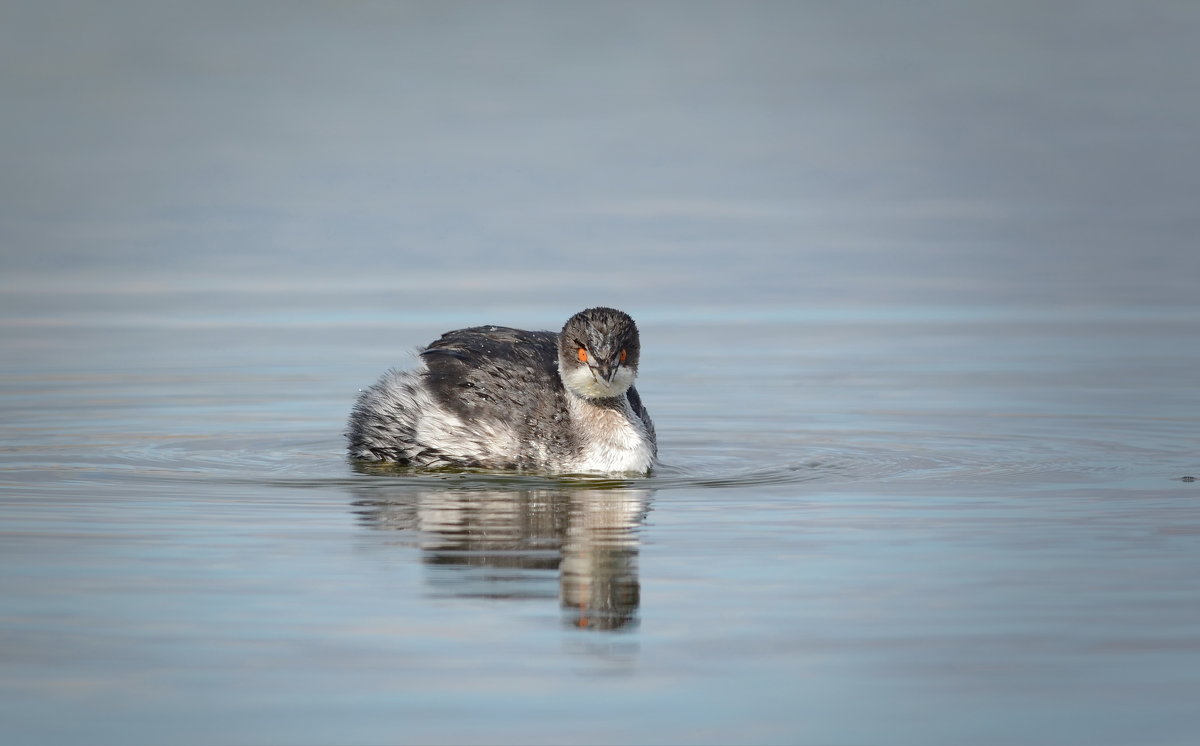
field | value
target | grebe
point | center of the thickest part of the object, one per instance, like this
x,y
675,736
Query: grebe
x,y
492,397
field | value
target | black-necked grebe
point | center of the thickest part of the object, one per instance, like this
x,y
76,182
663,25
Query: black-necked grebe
x,y
492,397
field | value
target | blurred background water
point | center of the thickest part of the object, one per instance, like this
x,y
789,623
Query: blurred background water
x,y
917,285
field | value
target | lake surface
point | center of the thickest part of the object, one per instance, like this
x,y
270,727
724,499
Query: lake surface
x,y
918,293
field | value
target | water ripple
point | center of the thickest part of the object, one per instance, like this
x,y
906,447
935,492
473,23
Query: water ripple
x,y
319,462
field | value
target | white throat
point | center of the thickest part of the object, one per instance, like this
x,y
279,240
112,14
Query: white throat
x,y
583,381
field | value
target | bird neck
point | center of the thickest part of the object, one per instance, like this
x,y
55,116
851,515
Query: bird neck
x,y
613,438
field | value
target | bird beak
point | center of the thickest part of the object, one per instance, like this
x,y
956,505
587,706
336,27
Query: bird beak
x,y
607,370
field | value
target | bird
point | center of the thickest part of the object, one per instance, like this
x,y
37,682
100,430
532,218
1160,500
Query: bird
x,y
504,399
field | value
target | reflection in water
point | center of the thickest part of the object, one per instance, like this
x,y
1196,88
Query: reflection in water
x,y
511,543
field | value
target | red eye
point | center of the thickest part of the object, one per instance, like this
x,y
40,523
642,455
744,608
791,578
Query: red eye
x,y
582,355
624,354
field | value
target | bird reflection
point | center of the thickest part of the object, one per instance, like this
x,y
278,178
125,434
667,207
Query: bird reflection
x,y
515,543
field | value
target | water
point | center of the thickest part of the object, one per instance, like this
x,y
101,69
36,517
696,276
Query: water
x,y
919,338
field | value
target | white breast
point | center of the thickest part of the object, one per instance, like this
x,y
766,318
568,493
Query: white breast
x,y
614,440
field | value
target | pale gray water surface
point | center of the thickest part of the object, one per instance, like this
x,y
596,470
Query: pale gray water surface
x,y
917,286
